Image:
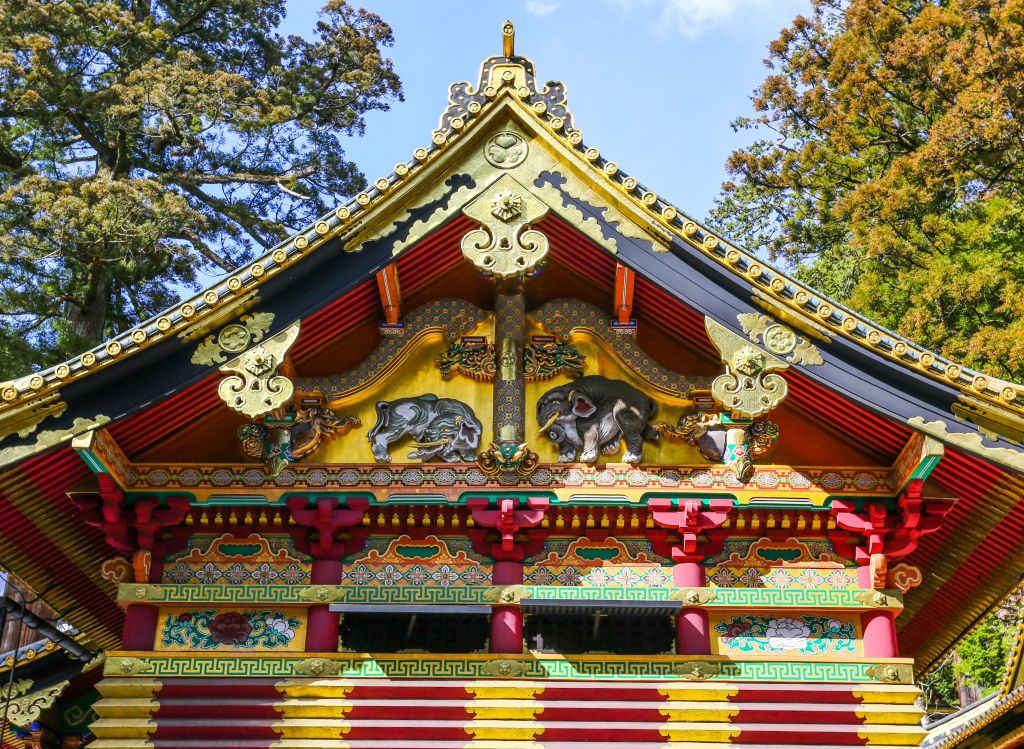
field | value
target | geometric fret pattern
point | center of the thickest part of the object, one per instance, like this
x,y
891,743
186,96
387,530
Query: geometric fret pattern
x,y
482,666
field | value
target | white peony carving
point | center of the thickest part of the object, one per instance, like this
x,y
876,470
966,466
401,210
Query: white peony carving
x,y
787,634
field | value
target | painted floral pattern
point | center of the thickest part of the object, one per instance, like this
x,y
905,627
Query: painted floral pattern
x,y
416,575
804,635
209,630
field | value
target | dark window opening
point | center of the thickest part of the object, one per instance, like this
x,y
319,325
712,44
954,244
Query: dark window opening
x,y
433,633
596,632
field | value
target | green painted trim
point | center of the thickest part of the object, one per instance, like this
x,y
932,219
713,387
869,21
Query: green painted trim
x,y
309,595
665,668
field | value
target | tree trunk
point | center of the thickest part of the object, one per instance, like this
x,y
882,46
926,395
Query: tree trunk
x,y
88,322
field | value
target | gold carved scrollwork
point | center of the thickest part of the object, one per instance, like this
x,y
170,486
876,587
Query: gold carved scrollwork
x,y
697,670
506,595
126,666
750,386
892,673
317,667
254,388
880,599
24,706
233,339
695,596
506,247
779,339
321,593
504,667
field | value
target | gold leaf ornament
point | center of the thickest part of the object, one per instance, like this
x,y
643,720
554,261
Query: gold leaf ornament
x,y
750,385
253,386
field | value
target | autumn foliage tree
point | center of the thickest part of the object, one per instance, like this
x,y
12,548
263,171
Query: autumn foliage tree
x,y
145,142
888,168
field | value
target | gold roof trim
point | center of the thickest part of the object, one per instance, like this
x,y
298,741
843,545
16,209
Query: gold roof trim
x,y
503,77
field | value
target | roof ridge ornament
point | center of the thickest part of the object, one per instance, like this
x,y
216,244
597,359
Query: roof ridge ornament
x,y
508,39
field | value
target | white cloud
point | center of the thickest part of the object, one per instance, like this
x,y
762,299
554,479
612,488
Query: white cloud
x,y
541,7
692,18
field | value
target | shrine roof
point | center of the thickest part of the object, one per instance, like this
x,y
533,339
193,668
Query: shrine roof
x,y
875,386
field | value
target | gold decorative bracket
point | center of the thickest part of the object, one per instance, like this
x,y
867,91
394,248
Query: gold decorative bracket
x,y
750,386
506,595
24,705
779,339
505,247
505,667
695,596
317,667
880,599
697,670
254,387
322,593
892,673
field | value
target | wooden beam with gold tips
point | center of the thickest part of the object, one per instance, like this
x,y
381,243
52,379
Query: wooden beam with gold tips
x,y
622,302
390,295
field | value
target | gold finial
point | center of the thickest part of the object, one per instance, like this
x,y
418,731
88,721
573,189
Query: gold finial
x,y
508,38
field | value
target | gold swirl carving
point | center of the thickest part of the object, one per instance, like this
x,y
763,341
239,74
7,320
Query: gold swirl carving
x,y
254,388
504,667
750,385
233,338
505,247
697,670
24,706
779,339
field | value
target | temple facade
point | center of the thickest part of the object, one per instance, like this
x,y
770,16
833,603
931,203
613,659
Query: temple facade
x,y
506,452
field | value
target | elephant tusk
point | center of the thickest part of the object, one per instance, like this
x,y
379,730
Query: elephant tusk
x,y
552,420
437,443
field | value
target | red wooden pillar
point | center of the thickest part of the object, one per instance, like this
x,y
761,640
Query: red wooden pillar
x,y
699,527
140,623
507,518
692,633
328,521
507,621
322,624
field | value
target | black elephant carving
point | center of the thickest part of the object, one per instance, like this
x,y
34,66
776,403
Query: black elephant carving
x,y
594,413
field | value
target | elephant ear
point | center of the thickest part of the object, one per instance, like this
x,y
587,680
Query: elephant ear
x,y
469,432
581,404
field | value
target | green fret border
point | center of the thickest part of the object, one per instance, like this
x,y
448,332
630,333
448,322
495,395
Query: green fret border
x,y
485,666
309,595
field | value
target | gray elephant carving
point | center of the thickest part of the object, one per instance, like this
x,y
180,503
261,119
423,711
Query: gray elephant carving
x,y
443,428
594,413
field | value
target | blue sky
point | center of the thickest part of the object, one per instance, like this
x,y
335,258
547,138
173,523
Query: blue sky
x,y
652,83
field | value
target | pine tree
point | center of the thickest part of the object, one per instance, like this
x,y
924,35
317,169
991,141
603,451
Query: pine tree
x,y
145,142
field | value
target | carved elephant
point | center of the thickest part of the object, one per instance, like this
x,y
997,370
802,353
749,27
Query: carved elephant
x,y
594,413
443,428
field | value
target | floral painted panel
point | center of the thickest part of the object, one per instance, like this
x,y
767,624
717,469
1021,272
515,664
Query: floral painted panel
x,y
798,634
444,561
238,560
585,562
789,564
212,630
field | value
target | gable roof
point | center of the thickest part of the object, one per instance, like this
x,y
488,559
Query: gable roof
x,y
879,386
871,365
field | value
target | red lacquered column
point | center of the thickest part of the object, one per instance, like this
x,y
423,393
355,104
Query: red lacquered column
x,y
879,626
322,632
692,635
140,621
507,621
